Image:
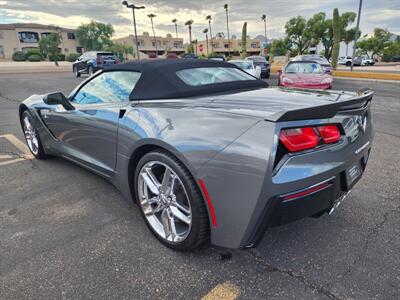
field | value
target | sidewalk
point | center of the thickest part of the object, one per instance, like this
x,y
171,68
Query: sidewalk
x,y
34,67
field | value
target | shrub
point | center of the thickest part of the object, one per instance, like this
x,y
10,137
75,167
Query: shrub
x,y
72,57
60,57
19,56
31,52
34,57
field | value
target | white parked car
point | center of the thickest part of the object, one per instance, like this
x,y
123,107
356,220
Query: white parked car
x,y
346,60
366,61
247,66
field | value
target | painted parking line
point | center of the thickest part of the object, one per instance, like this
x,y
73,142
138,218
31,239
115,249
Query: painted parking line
x,y
223,291
17,143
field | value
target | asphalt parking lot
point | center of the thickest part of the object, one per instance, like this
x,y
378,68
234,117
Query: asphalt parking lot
x,y
66,233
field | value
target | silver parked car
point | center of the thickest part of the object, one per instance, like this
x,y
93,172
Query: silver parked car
x,y
247,66
206,150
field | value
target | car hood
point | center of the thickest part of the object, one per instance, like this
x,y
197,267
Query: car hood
x,y
272,103
306,78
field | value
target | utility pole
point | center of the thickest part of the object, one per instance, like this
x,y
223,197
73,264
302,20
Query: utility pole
x,y
357,32
133,7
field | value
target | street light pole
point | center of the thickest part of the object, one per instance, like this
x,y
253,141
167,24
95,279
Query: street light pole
x,y
133,7
356,37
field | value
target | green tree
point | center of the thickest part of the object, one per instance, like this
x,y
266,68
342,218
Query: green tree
x,y
95,35
348,36
317,27
391,50
121,50
336,35
375,45
49,45
280,47
299,34
244,40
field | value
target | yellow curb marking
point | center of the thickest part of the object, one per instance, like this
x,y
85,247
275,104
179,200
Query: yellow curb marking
x,y
224,291
26,154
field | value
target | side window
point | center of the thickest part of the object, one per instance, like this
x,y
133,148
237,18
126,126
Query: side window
x,y
107,87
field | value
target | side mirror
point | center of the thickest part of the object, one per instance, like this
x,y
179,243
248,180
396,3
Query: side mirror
x,y
58,98
280,71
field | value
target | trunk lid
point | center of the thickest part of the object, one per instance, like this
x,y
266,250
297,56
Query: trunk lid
x,y
283,104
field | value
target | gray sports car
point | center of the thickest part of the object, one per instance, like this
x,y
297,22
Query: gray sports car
x,y
207,150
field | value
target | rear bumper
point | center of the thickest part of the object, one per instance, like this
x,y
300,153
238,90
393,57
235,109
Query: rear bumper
x,y
312,201
307,86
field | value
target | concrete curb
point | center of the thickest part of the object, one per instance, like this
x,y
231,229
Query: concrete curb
x,y
35,70
367,75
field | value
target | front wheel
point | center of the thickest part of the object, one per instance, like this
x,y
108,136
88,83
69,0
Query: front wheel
x,y
76,72
90,70
170,201
31,136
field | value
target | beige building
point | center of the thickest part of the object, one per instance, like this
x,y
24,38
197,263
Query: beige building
x,y
220,45
147,44
22,37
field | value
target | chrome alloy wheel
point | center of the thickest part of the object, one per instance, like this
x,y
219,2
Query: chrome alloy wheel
x,y
164,201
30,135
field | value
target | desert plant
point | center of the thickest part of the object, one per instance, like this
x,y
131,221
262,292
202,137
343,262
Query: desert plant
x,y
34,52
59,57
336,36
244,40
72,57
19,56
34,57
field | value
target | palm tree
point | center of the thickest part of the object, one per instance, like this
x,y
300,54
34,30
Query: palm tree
x,y
348,36
189,24
209,26
264,18
227,28
176,26
151,16
205,31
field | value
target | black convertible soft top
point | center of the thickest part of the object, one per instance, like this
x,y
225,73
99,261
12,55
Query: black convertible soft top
x,y
159,79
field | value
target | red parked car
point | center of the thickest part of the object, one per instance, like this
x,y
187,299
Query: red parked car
x,y
305,74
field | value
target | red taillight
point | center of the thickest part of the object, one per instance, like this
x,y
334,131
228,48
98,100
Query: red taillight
x,y
302,138
329,133
297,139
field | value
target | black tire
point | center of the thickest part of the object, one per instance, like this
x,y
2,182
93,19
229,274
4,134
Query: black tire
x,y
348,64
75,70
199,232
40,154
90,70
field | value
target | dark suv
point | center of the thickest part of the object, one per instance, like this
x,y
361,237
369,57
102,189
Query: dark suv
x,y
261,62
90,62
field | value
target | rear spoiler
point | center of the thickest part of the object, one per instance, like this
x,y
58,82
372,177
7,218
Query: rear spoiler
x,y
324,111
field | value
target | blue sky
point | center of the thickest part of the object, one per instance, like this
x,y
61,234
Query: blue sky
x,y
71,13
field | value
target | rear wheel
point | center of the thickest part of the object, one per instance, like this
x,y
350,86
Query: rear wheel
x,y
31,136
348,64
170,201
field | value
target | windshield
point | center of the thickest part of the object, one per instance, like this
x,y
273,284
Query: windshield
x,y
243,64
303,68
211,75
